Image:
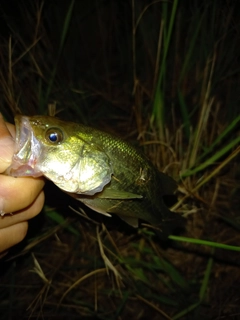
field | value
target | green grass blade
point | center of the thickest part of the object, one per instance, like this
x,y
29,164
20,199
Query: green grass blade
x,y
235,223
121,305
62,42
174,274
185,114
205,243
188,56
222,135
202,292
213,159
205,282
158,108
57,217
186,311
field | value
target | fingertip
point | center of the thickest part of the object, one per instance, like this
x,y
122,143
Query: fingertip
x,y
19,193
23,215
36,207
12,235
23,229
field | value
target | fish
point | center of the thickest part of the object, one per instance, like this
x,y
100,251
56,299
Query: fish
x,y
99,169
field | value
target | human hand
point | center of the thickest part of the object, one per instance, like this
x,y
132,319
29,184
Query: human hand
x,y
20,198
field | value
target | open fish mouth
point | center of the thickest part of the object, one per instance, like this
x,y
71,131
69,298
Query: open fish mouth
x,y
26,151
23,134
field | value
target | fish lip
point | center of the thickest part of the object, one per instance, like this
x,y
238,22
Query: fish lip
x,y
18,124
23,134
26,149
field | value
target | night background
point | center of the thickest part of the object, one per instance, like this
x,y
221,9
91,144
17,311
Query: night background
x,y
165,76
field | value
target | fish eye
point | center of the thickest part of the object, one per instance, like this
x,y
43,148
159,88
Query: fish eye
x,y
54,135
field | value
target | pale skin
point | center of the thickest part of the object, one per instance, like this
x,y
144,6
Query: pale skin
x,y
20,198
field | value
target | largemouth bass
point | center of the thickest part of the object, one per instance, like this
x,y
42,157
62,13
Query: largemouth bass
x,y
102,171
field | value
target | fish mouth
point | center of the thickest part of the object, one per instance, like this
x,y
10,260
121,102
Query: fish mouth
x,y
22,133
26,150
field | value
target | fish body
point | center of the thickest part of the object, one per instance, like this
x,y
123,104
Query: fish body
x,y
102,171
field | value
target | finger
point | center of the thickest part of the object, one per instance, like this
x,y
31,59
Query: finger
x,y
6,128
6,145
18,193
23,215
11,129
12,235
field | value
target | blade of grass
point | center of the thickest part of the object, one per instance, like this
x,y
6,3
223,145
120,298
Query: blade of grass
x,y
36,241
204,115
205,282
205,243
153,306
191,46
221,136
186,311
174,275
66,25
209,176
121,305
214,158
76,283
185,114
232,222
202,291
158,107
57,217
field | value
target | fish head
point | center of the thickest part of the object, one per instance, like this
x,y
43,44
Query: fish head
x,y
59,151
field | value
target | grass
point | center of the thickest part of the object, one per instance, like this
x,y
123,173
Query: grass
x,y
165,76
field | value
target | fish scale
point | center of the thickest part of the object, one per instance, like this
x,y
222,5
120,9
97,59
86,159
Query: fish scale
x,y
136,174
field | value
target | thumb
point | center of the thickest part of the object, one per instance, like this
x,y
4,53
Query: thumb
x,y
6,146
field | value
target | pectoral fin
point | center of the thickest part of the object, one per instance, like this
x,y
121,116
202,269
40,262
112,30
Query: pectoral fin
x,y
107,206
117,195
99,209
129,220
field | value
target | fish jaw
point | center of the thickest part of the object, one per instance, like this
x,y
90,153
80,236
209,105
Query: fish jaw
x,y
27,150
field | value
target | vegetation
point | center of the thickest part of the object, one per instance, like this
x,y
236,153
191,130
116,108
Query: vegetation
x,y
165,76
